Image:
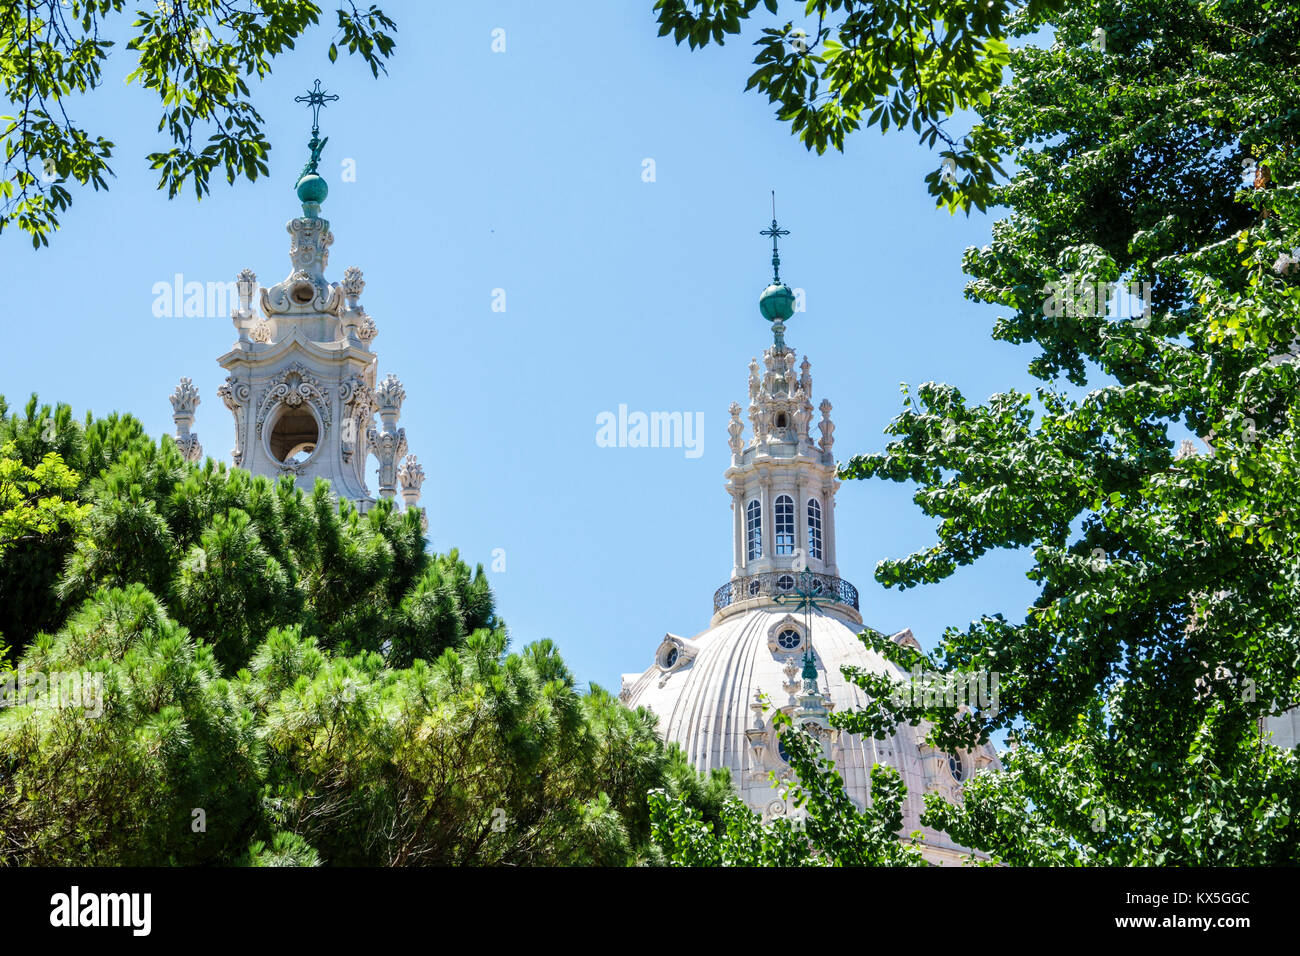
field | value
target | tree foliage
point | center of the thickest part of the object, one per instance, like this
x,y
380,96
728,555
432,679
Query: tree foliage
x,y
197,56
237,671
899,63
1165,627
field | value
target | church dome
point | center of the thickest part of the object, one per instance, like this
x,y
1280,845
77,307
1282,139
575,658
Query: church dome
x,y
785,623
717,697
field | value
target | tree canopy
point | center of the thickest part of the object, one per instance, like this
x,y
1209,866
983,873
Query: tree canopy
x,y
897,63
217,668
1165,627
196,56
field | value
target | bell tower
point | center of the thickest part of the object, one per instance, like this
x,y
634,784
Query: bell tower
x,y
782,481
303,384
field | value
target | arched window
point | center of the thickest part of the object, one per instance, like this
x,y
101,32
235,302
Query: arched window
x,y
753,530
784,525
814,529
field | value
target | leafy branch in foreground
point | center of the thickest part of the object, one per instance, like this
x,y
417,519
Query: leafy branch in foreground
x,y
899,63
195,55
1164,631
829,829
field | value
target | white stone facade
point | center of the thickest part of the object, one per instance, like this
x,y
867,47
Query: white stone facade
x,y
302,384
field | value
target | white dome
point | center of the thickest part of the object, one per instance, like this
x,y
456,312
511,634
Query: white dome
x,y
703,690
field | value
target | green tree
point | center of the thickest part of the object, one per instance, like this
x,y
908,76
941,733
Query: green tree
x,y
899,63
1165,627
44,522
284,681
195,55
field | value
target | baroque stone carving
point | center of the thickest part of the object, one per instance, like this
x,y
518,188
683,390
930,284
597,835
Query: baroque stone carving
x,y
827,427
185,399
235,395
293,386
353,285
357,399
305,290
388,447
411,475
734,429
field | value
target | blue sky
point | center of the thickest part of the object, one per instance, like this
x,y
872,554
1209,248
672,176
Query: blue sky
x,y
522,171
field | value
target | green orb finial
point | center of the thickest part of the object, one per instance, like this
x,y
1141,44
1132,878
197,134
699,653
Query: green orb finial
x,y
311,188
776,304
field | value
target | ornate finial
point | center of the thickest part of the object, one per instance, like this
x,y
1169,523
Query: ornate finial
x,y
389,394
734,429
777,301
312,189
411,477
775,232
827,427
316,98
353,284
185,399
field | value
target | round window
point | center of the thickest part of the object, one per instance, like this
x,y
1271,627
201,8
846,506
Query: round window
x,y
788,639
753,587
670,658
955,767
785,582
780,749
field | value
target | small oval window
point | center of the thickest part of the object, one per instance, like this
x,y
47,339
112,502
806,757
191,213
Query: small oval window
x,y
956,767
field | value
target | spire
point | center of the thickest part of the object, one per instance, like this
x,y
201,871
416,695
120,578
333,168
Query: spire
x,y
312,189
776,304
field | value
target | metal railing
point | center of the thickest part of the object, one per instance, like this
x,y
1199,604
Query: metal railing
x,y
774,583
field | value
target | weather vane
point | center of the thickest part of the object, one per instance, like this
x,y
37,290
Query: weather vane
x,y
775,232
316,98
